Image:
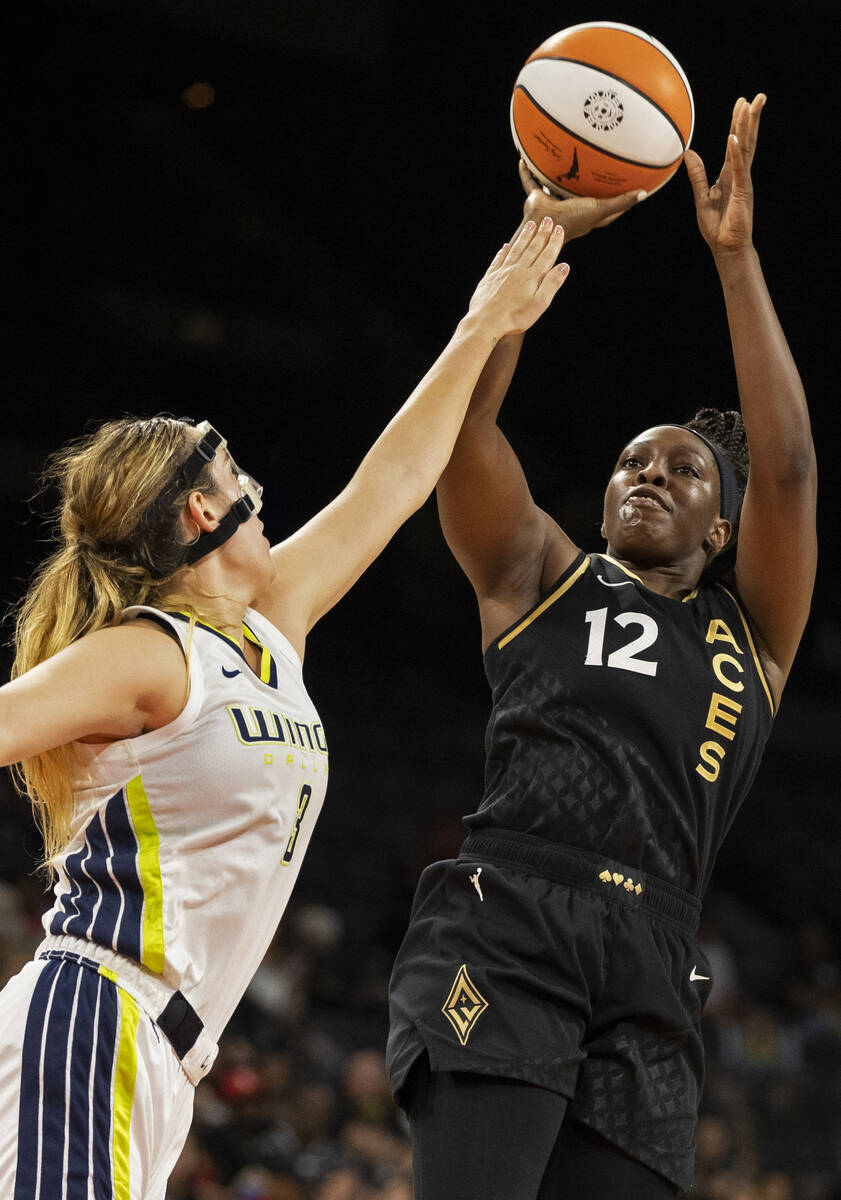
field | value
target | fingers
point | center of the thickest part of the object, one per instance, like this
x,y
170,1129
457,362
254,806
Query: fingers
x,y
546,245
551,284
500,256
549,251
528,181
734,117
610,209
697,174
744,127
531,240
614,206
547,290
742,144
747,125
521,239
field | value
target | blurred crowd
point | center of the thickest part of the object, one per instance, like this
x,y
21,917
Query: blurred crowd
x,y
297,1106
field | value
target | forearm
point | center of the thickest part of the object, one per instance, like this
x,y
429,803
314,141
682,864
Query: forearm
x,y
770,390
495,379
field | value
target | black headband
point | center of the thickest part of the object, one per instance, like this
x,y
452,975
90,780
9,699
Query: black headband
x,y
731,497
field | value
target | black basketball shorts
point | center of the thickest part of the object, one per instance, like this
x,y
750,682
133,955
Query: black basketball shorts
x,y
567,970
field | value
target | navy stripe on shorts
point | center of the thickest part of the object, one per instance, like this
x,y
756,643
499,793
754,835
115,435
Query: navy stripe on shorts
x,y
65,1117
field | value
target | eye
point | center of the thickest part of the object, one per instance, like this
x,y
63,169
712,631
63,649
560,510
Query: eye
x,y
688,469
630,460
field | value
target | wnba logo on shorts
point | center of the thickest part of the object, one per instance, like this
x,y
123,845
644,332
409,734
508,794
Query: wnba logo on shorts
x,y
464,1005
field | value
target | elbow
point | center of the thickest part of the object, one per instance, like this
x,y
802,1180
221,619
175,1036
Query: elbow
x,y
413,491
784,491
799,470
793,470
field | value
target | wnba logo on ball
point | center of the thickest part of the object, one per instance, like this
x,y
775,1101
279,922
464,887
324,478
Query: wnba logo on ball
x,y
603,110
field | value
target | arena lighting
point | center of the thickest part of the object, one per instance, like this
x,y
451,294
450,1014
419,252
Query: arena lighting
x,y
198,95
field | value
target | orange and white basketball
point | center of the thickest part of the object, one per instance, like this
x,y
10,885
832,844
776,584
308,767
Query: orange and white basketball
x,y
602,108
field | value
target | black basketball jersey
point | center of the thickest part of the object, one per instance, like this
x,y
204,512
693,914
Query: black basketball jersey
x,y
625,722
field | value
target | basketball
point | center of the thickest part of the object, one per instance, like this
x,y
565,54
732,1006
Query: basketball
x,y
602,108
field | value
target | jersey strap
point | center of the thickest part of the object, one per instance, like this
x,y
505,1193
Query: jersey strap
x,y
574,573
268,666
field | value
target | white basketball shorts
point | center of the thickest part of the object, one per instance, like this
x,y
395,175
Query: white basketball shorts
x,y
94,1104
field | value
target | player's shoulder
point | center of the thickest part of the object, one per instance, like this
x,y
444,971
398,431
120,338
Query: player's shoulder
x,y
142,645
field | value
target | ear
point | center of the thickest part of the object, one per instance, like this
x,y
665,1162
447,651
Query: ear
x,y
603,532
198,512
718,537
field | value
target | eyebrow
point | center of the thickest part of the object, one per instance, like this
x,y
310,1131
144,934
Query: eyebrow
x,y
680,448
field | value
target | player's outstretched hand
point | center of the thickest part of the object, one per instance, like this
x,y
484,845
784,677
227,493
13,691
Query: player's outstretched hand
x,y
577,214
725,210
521,281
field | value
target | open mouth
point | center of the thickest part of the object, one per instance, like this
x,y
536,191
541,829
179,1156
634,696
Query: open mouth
x,y
646,499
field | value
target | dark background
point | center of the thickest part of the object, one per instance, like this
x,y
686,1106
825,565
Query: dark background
x,y
289,260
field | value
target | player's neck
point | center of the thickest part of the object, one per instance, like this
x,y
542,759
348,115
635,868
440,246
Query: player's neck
x,y
672,580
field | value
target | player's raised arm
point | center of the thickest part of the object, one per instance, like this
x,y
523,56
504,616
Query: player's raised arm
x,y
508,547
317,565
777,547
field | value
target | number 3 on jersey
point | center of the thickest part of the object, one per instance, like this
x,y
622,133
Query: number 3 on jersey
x,y
624,657
303,801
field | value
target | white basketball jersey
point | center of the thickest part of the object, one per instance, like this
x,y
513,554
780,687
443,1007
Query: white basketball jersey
x,y
186,841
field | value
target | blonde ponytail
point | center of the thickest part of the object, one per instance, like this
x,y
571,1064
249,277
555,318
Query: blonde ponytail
x,y
120,542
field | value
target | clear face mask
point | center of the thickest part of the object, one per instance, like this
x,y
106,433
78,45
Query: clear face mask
x,y
249,488
251,492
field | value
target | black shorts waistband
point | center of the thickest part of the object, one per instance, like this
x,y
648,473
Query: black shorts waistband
x,y
583,868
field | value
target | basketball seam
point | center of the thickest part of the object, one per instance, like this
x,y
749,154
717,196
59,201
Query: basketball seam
x,y
640,36
594,145
620,79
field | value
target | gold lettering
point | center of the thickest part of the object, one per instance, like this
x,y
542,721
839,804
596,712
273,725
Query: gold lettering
x,y
290,759
717,713
707,751
719,631
735,685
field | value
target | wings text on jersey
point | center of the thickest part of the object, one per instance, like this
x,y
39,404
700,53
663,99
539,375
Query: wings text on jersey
x,y
261,727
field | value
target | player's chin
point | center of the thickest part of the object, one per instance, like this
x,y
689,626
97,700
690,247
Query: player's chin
x,y
642,543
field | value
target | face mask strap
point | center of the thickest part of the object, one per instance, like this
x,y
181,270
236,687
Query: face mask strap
x,y
237,515
202,453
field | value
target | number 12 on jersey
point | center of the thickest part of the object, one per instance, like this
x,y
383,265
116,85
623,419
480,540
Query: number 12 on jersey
x,y
624,657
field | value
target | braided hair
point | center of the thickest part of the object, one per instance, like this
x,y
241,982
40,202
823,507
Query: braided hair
x,y
726,428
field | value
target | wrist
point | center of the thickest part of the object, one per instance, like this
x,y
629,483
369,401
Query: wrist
x,y
735,260
478,326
